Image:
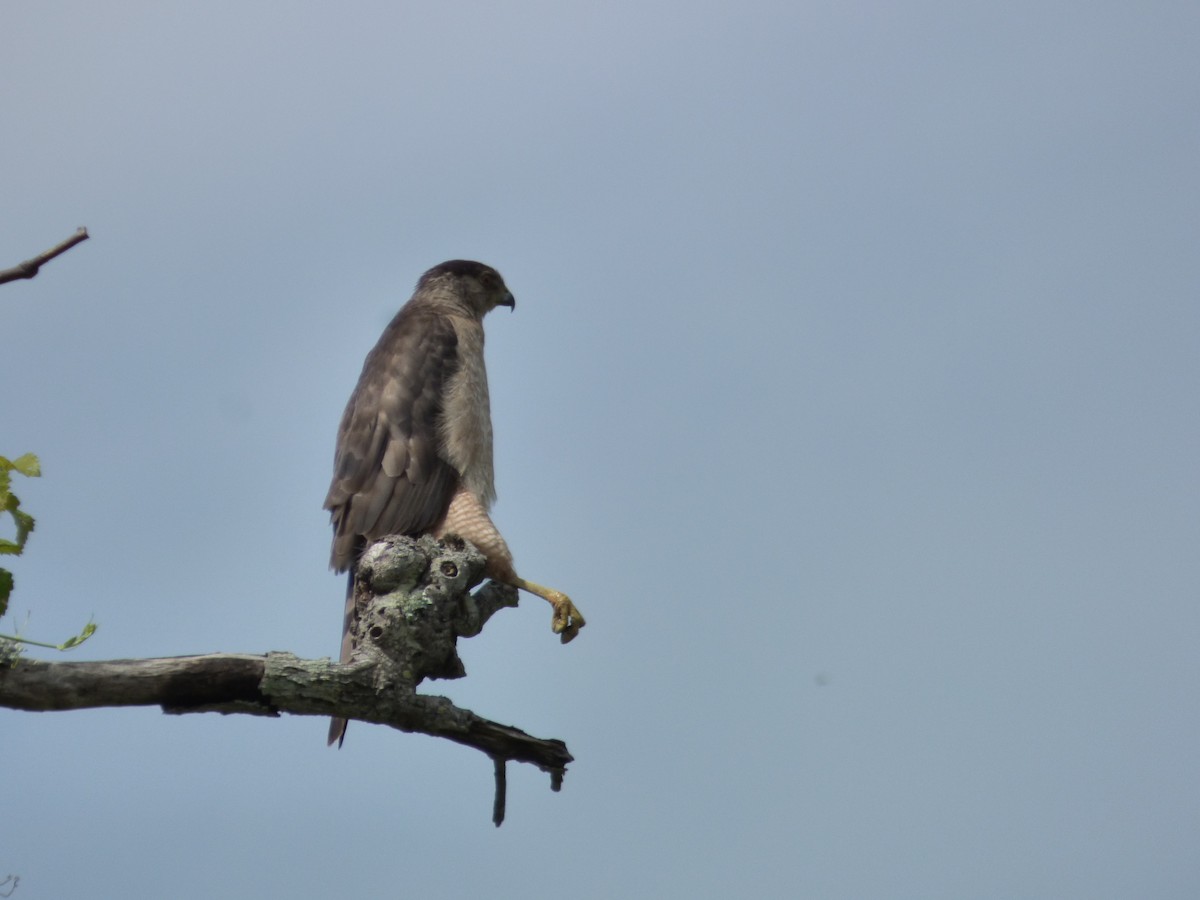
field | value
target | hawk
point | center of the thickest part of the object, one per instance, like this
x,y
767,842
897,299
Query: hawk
x,y
414,448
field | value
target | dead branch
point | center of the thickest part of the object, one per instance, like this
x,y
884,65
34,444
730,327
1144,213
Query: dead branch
x,y
30,267
413,602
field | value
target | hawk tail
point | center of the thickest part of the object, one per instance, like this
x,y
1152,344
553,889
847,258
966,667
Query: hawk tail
x,y
337,727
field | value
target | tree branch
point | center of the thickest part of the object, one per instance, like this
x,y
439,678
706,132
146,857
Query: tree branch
x,y
413,603
30,267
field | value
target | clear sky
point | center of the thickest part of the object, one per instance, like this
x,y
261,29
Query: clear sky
x,y
851,392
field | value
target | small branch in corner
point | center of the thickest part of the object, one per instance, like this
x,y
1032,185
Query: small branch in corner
x,y
30,267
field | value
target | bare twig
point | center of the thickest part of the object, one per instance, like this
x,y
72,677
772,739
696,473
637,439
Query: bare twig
x,y
30,267
501,790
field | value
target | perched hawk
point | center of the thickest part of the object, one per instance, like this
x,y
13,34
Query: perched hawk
x,y
414,449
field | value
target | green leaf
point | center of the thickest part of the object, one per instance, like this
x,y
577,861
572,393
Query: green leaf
x,y
6,586
88,630
28,465
24,525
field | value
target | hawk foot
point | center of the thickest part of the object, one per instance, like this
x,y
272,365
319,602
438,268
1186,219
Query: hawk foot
x,y
567,620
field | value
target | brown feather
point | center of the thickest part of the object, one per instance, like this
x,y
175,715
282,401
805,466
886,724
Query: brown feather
x,y
388,475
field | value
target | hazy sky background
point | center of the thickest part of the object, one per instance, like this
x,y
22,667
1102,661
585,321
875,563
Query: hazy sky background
x,y
851,392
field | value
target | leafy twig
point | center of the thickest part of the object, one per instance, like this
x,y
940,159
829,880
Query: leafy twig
x,y
74,641
28,466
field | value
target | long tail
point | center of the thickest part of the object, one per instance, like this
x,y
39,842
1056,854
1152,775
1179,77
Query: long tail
x,y
337,727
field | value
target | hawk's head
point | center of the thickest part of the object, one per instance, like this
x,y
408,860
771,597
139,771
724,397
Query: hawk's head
x,y
480,287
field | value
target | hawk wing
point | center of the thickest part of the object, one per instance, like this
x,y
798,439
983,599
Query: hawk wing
x,y
390,475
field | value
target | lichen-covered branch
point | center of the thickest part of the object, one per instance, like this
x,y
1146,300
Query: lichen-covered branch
x,y
414,602
30,267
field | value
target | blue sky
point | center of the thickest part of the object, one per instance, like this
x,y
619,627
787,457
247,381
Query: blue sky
x,y
851,393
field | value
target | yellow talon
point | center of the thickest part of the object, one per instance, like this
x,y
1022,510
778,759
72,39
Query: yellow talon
x,y
567,620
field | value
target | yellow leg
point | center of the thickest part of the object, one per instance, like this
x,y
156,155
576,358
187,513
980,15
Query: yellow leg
x,y
567,620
